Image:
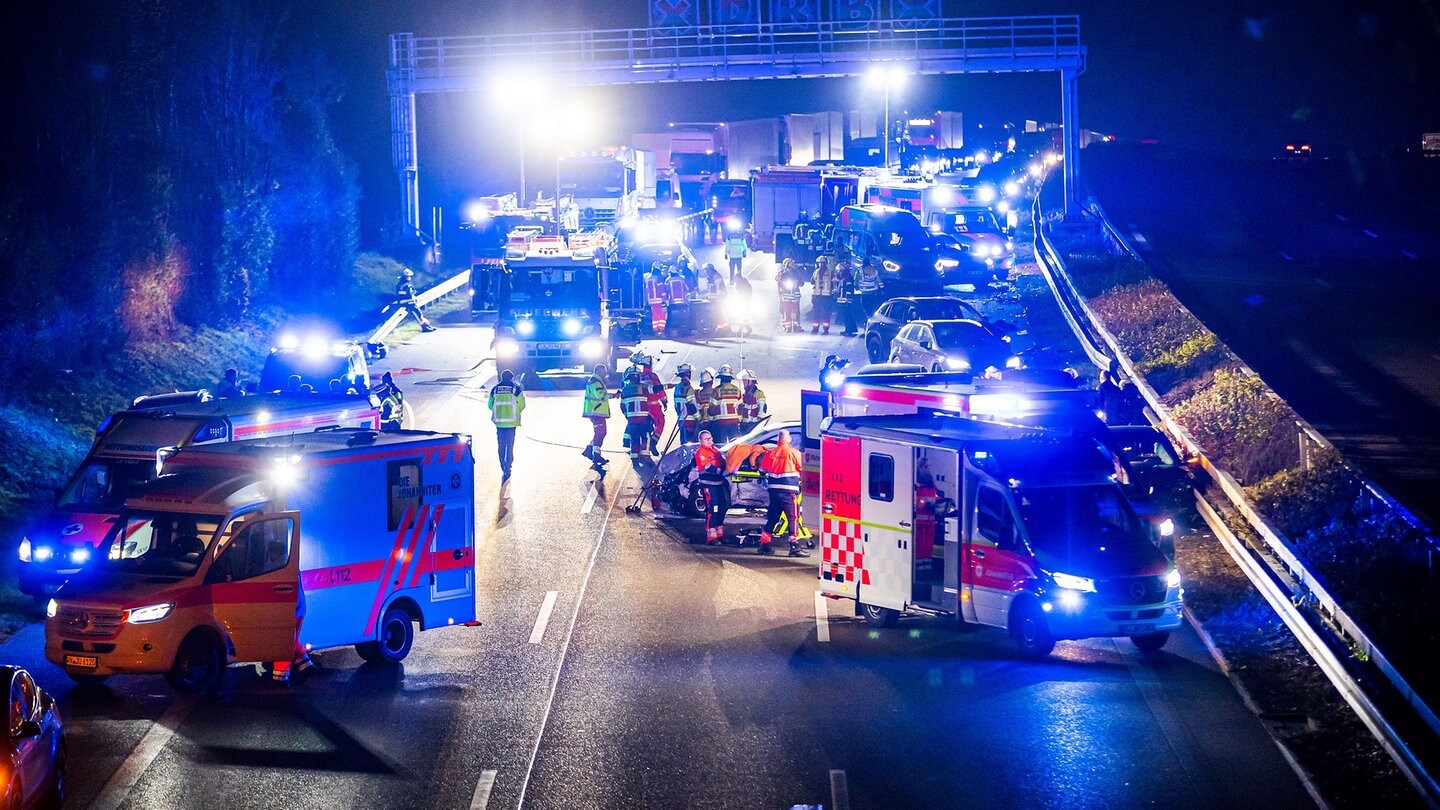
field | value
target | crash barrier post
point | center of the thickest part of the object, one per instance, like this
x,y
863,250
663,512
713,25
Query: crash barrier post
x,y
1276,564
430,296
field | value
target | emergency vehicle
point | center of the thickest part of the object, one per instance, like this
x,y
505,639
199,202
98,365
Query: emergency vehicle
x,y
607,185
554,307
369,532
124,457
950,211
988,524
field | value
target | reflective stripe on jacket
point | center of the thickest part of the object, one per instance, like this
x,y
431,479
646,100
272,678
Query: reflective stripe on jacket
x,y
676,288
782,467
752,405
735,247
711,464
867,280
824,282
704,402
507,402
654,290
685,404
634,402
726,405
597,398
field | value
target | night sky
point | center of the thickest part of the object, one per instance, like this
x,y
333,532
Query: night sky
x,y
1235,77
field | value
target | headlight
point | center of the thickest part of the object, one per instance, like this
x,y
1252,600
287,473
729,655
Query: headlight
x,y
506,348
570,326
42,553
1012,189
944,264
24,549
149,613
1074,583
51,608
1167,529
526,328
985,194
80,556
1003,207
1013,361
592,348
834,379
890,267
956,364
1172,579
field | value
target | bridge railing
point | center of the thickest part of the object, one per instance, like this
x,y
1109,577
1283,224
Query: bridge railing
x,y
562,51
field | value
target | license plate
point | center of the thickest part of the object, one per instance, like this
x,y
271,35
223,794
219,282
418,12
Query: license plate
x,y
1136,629
85,661
552,347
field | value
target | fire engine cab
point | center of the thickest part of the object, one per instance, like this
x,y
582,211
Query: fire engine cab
x,y
990,524
345,536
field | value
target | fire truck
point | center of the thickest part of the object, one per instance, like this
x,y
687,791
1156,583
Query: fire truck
x,y
125,455
236,548
988,524
555,301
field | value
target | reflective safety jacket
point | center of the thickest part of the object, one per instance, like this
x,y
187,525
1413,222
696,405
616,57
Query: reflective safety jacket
x,y
726,406
844,284
392,405
735,247
824,282
507,402
654,389
752,404
635,402
704,402
676,289
711,464
654,290
782,467
867,279
597,398
788,282
686,408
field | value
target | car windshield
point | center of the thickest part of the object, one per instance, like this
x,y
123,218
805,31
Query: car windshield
x,y
943,309
1060,520
592,179
314,370
159,543
106,482
971,220
961,334
1142,448
696,162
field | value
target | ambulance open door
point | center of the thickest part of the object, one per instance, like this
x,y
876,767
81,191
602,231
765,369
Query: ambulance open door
x,y
886,529
452,563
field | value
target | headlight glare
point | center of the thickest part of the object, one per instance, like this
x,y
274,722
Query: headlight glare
x,y
24,549
1074,583
1172,579
1167,527
149,613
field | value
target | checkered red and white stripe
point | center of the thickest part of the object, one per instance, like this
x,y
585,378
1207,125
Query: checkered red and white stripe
x,y
841,549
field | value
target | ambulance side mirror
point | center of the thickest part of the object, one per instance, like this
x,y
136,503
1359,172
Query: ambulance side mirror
x,y
945,507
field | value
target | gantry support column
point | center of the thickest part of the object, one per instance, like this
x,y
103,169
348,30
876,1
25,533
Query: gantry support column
x,y
401,81
1070,123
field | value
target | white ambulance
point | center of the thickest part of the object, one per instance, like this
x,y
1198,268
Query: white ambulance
x,y
370,532
124,455
991,524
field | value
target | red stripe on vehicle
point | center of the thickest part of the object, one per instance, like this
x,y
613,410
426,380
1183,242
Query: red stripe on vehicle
x,y
337,575
385,571
409,562
426,554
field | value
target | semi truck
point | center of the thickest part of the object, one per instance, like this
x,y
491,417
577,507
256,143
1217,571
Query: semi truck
x,y
608,185
753,145
988,524
255,550
782,194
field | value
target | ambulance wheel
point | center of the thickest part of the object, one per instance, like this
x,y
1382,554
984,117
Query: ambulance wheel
x,y
879,616
1029,630
1151,642
396,634
198,664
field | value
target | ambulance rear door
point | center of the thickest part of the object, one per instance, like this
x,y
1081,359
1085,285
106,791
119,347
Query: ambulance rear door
x,y
452,554
254,587
887,510
814,407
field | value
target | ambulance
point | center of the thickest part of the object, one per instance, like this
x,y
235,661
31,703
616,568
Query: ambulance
x,y
989,524
124,457
355,536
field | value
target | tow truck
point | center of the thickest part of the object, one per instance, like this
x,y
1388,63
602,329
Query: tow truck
x,y
555,300
214,561
988,524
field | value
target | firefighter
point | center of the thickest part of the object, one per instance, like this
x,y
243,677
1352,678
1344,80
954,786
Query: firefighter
x,y
710,463
752,402
867,285
716,299
406,300
655,297
781,468
927,496
714,280
846,299
230,387
507,403
725,407
656,398
597,410
705,401
392,404
635,405
736,250
677,290
822,295
685,408
788,281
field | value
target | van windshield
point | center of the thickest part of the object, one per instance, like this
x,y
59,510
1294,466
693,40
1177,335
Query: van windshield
x,y
159,543
1063,520
106,482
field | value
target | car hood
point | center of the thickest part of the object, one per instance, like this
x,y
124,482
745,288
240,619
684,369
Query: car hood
x,y
1087,557
120,591
68,528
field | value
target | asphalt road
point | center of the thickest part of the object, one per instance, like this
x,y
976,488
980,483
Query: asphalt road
x,y
1326,291
619,666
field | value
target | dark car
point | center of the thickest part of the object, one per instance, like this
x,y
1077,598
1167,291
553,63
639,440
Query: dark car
x,y
35,772
903,250
952,345
885,323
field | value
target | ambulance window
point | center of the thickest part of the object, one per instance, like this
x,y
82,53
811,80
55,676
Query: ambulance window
x,y
814,415
882,477
259,548
992,518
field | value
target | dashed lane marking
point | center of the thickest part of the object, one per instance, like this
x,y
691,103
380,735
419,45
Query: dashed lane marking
x,y
1407,254
1323,283
117,790
590,495
839,791
1139,238
543,620
481,799
1286,256
1340,217
1372,234
822,617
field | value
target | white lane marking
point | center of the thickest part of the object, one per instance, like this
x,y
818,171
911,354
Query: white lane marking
x,y
570,634
1372,234
822,618
543,620
839,791
1407,254
1340,217
590,496
1323,283
1286,256
481,799
117,790
1139,237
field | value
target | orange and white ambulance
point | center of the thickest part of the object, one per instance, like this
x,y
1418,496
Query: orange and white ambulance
x,y
345,536
124,456
990,524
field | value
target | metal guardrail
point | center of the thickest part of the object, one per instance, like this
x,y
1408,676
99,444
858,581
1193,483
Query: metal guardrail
x,y
425,298
1282,568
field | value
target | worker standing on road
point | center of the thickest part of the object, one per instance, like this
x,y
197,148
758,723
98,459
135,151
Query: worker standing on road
x,y
597,410
845,296
736,250
685,407
655,297
710,463
705,401
229,387
781,467
392,404
507,402
867,285
406,299
788,282
655,397
752,402
822,295
635,405
679,318
725,408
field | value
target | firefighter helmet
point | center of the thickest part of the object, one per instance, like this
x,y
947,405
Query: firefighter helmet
x,y
640,358
746,375
726,372
709,267
788,264
407,273
822,260
683,370
707,376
